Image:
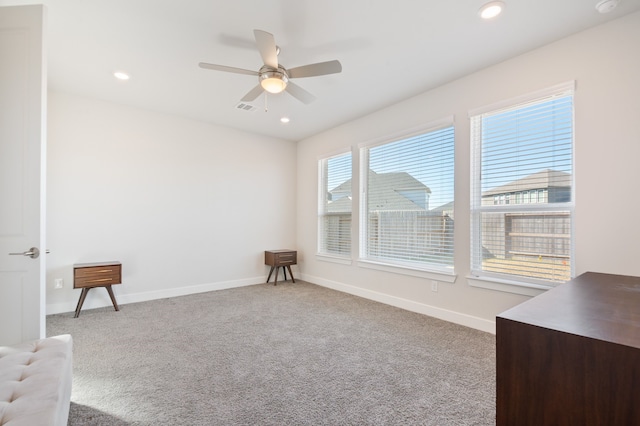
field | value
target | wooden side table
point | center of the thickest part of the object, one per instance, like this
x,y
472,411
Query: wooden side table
x,y
280,258
101,274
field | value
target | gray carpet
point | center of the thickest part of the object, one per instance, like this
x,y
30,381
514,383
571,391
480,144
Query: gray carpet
x,y
293,354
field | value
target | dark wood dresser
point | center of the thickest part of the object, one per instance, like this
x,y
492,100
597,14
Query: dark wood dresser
x,y
280,258
571,356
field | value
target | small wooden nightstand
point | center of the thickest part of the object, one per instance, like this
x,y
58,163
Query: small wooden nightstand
x,y
102,274
280,258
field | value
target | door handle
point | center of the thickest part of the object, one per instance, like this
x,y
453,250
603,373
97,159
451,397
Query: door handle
x,y
33,253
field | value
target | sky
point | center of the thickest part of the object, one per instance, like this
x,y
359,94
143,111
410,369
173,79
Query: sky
x,y
519,142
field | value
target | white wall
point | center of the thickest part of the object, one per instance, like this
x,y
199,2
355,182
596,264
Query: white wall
x,y
605,63
185,206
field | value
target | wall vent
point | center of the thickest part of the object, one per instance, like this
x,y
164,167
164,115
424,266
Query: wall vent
x,y
246,107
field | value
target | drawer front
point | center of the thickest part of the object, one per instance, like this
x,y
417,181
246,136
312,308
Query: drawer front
x,y
289,258
96,276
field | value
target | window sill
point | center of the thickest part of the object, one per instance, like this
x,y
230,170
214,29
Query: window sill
x,y
333,259
507,286
431,274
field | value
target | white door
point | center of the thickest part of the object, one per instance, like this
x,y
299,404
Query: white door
x,y
22,173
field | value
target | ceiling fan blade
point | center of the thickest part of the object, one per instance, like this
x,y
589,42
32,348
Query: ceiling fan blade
x,y
312,70
253,94
226,69
267,47
299,93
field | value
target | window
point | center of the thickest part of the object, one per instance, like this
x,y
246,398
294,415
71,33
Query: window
x,y
525,148
334,206
407,200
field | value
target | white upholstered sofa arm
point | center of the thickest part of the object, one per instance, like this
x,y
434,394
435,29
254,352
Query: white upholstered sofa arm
x,y
35,382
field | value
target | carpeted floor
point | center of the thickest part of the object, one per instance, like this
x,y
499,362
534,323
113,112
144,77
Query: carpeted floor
x,y
291,354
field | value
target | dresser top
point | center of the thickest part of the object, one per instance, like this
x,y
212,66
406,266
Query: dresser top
x,y
91,265
593,305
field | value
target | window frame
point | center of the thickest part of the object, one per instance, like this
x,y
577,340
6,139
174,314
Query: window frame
x,y
510,282
322,205
418,269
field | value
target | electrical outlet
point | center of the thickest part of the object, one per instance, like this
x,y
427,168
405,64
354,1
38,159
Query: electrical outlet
x,y
58,283
434,285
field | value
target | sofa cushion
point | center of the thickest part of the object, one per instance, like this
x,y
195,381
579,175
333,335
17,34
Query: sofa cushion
x,y
35,382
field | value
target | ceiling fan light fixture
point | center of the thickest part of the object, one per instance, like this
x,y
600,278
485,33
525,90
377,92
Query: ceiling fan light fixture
x,y
273,81
491,10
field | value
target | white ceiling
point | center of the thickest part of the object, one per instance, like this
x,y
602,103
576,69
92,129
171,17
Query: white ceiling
x,y
389,50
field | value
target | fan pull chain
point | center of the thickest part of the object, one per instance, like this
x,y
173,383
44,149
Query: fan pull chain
x,y
266,109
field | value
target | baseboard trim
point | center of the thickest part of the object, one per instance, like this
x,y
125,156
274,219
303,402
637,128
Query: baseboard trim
x,y
409,305
98,298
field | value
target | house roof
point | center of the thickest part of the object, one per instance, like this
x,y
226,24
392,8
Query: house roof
x,y
387,197
445,209
547,178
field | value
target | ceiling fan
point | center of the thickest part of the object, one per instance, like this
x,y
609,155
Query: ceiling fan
x,y
273,77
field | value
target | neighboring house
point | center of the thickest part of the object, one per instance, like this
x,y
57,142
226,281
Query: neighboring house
x,y
398,204
546,186
393,191
396,191
529,234
446,209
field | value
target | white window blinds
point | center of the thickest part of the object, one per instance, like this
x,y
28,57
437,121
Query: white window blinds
x,y
522,190
407,203
334,206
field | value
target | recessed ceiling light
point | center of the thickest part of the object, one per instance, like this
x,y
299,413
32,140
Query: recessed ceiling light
x,y
491,9
121,75
285,120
